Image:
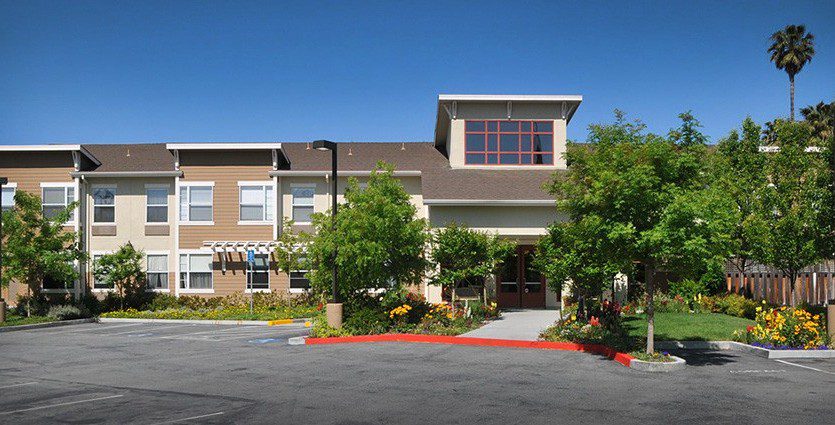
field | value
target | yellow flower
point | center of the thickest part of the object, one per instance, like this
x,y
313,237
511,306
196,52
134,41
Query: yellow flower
x,y
573,317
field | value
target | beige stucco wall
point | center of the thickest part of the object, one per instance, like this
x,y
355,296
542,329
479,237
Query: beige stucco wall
x,y
517,221
498,111
130,220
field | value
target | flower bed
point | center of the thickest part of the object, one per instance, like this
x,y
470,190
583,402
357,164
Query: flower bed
x,y
266,306
406,313
786,329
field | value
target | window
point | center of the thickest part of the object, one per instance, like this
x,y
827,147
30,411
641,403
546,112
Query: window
x,y
298,280
8,196
509,142
256,203
51,283
156,204
258,276
56,198
196,271
157,273
104,205
196,203
302,203
99,282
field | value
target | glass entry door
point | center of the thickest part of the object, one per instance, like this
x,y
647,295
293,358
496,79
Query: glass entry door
x,y
520,285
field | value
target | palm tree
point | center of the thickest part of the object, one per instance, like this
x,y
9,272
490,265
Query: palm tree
x,y
821,117
791,48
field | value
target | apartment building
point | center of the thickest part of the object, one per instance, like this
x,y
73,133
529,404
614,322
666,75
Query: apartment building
x,y
196,208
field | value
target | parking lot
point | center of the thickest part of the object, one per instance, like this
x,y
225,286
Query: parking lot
x,y
182,373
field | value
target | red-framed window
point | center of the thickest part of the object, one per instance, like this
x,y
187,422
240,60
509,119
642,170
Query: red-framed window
x,y
502,142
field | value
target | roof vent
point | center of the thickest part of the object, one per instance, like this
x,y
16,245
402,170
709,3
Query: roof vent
x,y
128,155
308,146
350,152
403,146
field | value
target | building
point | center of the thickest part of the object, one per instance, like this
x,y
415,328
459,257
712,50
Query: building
x,y
196,208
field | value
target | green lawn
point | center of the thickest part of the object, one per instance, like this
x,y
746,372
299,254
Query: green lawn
x,y
14,320
687,326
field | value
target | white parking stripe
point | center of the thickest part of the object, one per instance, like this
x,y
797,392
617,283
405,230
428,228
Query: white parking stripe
x,y
804,366
18,385
60,404
259,328
152,328
104,328
188,419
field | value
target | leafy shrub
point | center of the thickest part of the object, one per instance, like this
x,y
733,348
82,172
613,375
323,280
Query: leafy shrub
x,y
687,289
737,305
367,321
67,312
667,304
163,302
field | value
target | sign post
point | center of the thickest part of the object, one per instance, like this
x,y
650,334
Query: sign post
x,y
250,264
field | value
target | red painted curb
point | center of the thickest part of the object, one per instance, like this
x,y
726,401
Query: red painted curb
x,y
622,358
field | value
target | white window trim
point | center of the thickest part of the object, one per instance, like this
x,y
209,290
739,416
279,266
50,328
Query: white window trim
x,y
93,204
297,290
93,288
65,186
13,187
167,268
269,283
180,270
265,184
167,204
185,188
293,199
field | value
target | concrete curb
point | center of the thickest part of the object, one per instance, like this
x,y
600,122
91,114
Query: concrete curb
x,y
622,358
46,325
677,364
745,348
281,322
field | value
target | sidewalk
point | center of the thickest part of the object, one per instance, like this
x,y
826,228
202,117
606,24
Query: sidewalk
x,y
522,325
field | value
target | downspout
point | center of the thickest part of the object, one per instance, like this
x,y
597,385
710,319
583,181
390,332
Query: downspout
x,y
176,232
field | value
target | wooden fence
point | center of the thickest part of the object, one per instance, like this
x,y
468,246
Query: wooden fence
x,y
815,285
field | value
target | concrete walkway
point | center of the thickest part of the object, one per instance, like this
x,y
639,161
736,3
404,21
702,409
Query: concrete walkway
x,y
523,325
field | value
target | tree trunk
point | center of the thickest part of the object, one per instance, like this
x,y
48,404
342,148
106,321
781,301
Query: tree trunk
x,y
792,286
649,276
791,84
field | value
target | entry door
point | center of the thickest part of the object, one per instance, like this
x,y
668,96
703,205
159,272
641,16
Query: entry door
x,y
520,284
507,295
531,281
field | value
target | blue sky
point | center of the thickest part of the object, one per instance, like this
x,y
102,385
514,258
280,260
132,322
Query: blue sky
x,y
111,72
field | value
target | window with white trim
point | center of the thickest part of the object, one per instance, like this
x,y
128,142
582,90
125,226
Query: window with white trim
x,y
298,278
302,203
196,204
56,198
156,209
196,271
157,272
256,202
99,282
8,197
258,275
104,205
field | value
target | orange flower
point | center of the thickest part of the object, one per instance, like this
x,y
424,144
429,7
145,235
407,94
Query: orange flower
x,y
594,321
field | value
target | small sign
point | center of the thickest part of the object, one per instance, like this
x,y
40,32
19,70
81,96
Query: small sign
x,y
250,256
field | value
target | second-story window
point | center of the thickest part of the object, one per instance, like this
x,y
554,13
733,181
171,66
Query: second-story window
x,y
104,205
256,202
196,203
509,143
156,201
302,203
56,197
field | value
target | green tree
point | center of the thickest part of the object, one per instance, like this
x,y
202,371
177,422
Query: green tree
x,y
739,173
792,48
37,247
289,254
463,255
643,193
381,241
123,271
822,119
576,252
790,229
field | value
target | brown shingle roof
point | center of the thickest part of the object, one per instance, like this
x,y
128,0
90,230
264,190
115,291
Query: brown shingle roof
x,y
143,157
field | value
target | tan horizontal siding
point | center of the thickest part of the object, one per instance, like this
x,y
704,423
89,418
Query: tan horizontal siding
x,y
234,278
225,205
